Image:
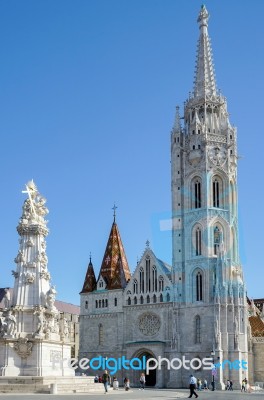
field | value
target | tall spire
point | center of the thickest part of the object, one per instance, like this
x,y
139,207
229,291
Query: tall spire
x,y
90,280
114,268
204,83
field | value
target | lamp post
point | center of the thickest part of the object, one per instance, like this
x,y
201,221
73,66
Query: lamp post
x,y
213,371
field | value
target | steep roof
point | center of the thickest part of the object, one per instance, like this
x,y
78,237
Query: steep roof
x,y
90,280
114,268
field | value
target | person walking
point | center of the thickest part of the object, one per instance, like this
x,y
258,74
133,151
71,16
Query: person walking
x,y
243,386
106,380
193,383
205,385
230,385
142,381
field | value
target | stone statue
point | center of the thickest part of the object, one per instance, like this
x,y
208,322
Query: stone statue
x,y
66,330
50,298
236,327
40,323
7,298
10,324
20,257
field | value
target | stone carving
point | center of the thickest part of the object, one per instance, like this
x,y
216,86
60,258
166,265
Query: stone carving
x,y
216,332
66,331
15,274
45,275
23,347
50,298
29,243
34,209
20,257
40,323
29,277
8,325
174,339
7,298
149,324
217,155
236,328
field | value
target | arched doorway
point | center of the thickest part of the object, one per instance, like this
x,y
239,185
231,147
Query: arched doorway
x,y
151,378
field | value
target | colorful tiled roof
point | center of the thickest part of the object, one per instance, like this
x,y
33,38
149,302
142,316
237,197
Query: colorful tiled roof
x,y
90,280
114,268
257,326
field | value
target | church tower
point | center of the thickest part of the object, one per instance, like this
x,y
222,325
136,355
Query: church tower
x,y
210,295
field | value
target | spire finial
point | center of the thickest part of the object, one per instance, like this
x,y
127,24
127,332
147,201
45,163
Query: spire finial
x,y
114,208
147,244
203,17
90,256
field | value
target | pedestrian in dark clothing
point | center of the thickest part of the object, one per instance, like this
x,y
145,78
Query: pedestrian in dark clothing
x,y
193,383
106,380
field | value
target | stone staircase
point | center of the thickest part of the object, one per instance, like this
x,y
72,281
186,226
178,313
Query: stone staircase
x,y
53,384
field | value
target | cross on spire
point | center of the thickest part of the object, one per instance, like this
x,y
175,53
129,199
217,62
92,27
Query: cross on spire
x,y
114,208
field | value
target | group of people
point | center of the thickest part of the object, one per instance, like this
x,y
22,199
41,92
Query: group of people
x,y
106,380
229,385
244,386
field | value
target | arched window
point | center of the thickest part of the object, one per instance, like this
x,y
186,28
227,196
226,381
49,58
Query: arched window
x,y
199,286
135,300
100,303
129,301
141,300
161,284
167,297
148,288
197,329
154,279
148,299
100,334
197,194
154,299
161,298
216,192
96,303
135,286
115,301
198,241
141,280
217,240
106,303
86,304
103,303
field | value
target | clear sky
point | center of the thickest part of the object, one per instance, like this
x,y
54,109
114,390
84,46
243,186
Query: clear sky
x,y
88,90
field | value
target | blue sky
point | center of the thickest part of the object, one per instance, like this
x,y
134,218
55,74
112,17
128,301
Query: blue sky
x,y
88,91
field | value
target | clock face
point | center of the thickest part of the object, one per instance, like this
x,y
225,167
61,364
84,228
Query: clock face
x,y
217,155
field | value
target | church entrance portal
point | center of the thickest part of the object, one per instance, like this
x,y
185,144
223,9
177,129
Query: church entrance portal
x,y
151,377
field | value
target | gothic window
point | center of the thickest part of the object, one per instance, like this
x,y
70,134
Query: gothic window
x,y
103,303
154,299
129,301
154,279
217,239
167,297
216,192
100,303
198,241
161,298
135,300
141,300
161,284
148,299
115,301
199,286
135,287
101,284
196,193
148,275
100,334
86,304
141,280
197,329
106,303
96,303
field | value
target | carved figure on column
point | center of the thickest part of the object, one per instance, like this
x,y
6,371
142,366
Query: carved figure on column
x,y
11,324
236,332
20,257
7,298
50,298
40,323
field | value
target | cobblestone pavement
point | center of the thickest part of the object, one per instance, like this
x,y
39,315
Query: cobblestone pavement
x,y
135,394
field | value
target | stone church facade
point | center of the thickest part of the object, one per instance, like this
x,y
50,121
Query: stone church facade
x,y
197,307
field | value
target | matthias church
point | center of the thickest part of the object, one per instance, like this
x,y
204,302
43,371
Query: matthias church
x,y
198,306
